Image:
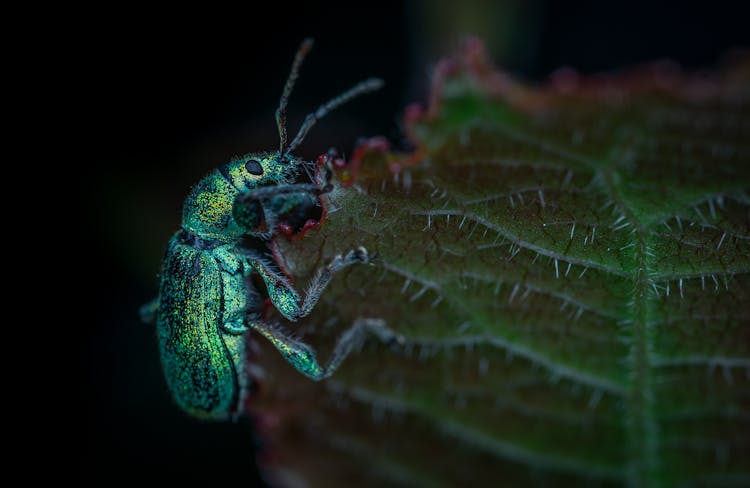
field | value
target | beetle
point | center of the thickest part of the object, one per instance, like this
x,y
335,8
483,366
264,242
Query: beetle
x,y
210,293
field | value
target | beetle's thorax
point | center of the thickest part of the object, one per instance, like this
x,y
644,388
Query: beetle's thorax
x,y
207,211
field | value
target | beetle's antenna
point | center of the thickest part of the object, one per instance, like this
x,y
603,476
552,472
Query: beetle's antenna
x,y
366,86
304,48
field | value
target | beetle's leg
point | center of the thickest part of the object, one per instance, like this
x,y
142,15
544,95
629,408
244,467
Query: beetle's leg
x,y
148,311
302,356
353,338
286,299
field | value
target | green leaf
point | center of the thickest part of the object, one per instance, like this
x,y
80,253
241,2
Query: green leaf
x,y
569,267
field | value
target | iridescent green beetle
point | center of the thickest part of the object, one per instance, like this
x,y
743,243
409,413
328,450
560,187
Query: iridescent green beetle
x,y
208,299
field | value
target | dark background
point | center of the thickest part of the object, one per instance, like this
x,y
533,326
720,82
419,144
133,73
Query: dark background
x,y
176,94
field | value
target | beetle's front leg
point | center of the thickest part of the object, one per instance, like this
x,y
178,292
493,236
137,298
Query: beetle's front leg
x,y
302,356
286,299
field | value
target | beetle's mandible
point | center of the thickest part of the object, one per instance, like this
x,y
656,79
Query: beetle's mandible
x,y
208,299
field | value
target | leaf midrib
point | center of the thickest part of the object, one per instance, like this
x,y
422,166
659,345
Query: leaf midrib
x,y
640,422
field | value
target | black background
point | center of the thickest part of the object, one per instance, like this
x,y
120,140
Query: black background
x,y
177,93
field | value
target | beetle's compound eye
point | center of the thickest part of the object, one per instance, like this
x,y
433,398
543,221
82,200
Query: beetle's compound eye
x,y
254,168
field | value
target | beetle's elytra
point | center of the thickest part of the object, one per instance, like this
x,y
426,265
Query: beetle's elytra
x,y
207,297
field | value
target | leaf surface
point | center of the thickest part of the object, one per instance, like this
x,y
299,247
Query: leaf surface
x,y
569,268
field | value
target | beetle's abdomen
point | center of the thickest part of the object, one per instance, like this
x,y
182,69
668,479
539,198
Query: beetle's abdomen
x,y
207,211
198,366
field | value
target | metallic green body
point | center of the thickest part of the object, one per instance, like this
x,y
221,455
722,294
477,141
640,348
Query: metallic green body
x,y
207,299
203,299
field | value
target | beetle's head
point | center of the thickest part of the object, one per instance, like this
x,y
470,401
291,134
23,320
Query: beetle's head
x,y
290,202
261,169
270,189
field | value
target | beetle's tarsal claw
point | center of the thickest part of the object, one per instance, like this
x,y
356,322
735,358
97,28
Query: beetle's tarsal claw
x,y
358,255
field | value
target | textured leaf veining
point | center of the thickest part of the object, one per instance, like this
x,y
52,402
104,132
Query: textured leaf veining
x,y
570,270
